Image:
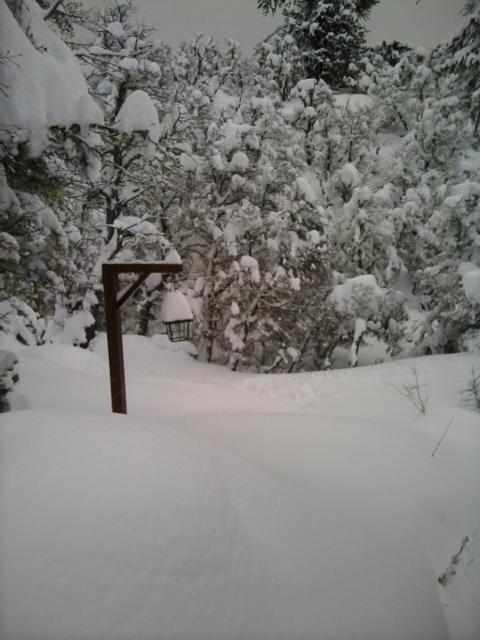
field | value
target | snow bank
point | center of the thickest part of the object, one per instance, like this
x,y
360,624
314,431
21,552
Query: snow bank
x,y
45,85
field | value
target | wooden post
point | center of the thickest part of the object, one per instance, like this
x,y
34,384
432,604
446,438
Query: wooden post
x,y
113,319
113,322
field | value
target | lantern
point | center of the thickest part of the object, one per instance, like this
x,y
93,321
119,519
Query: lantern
x,y
176,316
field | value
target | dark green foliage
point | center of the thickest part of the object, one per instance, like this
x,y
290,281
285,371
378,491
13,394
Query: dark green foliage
x,y
329,34
392,52
270,6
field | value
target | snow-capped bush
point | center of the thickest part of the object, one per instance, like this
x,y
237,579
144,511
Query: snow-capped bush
x,y
8,377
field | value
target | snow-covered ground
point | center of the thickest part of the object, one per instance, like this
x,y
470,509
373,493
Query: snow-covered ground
x,y
230,505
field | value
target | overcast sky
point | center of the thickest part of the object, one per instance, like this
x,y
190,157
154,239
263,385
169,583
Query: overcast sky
x,y
425,23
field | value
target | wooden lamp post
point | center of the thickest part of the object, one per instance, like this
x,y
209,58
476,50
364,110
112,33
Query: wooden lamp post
x,y
113,304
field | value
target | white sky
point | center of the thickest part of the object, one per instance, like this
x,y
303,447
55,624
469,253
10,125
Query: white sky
x,y
424,24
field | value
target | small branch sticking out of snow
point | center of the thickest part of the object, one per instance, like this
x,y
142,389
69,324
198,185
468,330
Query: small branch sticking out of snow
x,y
413,393
442,437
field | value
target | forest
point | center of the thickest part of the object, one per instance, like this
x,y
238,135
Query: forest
x,y
320,192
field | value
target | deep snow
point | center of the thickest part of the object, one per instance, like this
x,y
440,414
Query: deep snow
x,y
230,505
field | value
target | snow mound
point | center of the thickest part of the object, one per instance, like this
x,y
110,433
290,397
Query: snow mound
x,y
70,357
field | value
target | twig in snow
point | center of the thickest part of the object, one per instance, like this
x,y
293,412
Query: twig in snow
x,y
471,394
414,393
442,437
450,572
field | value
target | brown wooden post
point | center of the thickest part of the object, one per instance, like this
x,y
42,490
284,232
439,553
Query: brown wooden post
x,y
113,322
113,319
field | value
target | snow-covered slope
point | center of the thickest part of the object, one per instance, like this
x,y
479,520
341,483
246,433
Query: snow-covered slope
x,y
228,505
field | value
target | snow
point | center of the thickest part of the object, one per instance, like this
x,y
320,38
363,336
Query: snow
x,y
199,526
239,162
307,85
295,284
306,190
173,257
45,84
73,331
129,64
248,263
175,307
134,223
8,247
235,505
353,101
349,175
223,101
471,281
232,135
360,328
291,109
138,113
342,294
116,29
189,162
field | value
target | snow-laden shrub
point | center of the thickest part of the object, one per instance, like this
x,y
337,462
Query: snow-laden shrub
x,y
371,310
19,320
8,377
452,317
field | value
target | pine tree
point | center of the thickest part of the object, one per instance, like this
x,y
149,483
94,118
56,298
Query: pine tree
x,y
463,58
329,33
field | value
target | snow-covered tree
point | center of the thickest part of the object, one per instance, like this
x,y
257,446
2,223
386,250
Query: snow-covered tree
x,y
119,210
370,310
45,91
278,65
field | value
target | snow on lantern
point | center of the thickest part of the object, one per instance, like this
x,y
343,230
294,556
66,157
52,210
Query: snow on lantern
x,y
176,316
